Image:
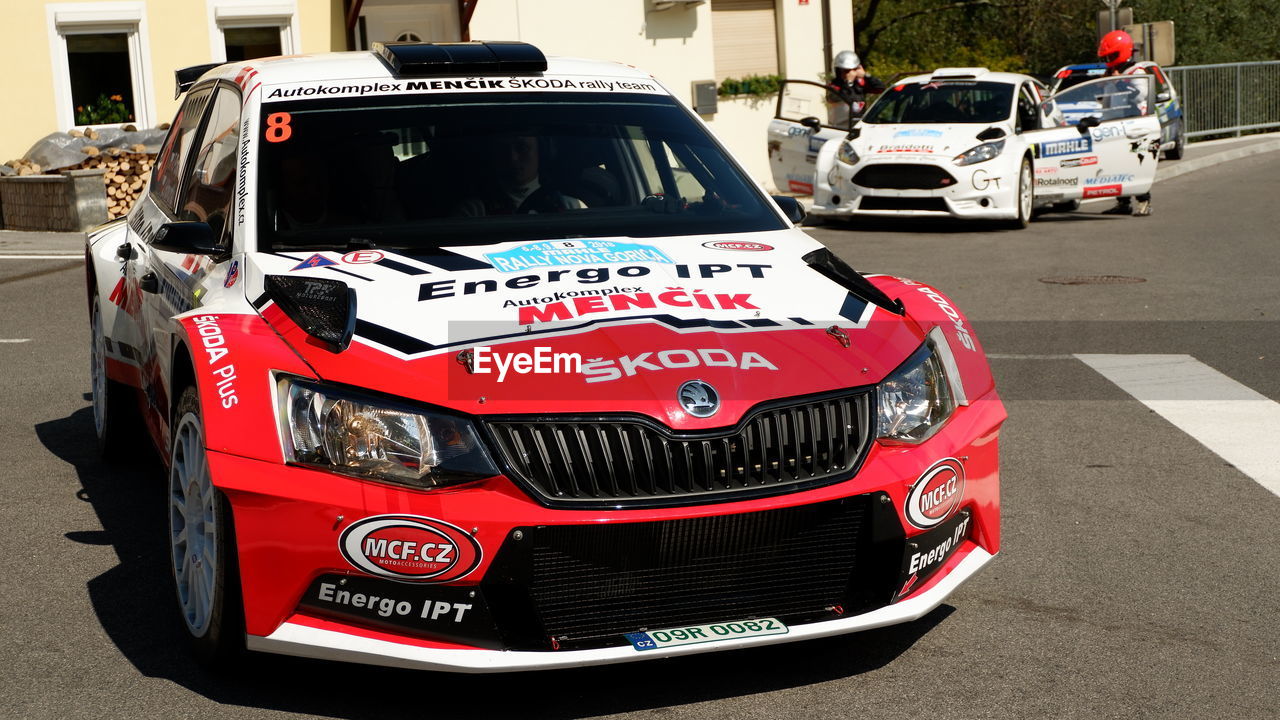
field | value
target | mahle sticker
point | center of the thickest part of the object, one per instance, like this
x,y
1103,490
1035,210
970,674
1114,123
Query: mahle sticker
x,y
410,548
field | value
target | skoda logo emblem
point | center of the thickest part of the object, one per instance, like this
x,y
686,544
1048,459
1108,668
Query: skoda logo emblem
x,y
699,399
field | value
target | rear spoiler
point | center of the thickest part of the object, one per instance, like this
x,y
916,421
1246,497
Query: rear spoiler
x,y
185,77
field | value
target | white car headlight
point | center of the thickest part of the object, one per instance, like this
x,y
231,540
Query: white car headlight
x,y
981,153
846,154
916,398
344,432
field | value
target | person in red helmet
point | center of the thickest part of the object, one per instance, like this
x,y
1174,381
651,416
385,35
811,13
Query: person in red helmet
x,y
1116,50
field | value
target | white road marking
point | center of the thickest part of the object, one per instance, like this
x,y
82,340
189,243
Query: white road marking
x,y
1235,422
42,257
14,340
1019,356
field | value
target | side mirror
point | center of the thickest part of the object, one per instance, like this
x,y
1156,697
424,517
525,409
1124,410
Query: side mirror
x,y
811,122
790,207
1163,97
192,238
1086,123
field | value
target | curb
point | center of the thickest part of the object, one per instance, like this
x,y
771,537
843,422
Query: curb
x,y
1185,166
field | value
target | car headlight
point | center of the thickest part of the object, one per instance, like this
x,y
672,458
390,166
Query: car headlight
x,y
915,399
846,154
981,153
347,433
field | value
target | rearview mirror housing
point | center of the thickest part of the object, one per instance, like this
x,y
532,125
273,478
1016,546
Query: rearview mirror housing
x,y
192,238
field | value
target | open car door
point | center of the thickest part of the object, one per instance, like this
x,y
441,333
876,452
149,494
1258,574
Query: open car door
x,y
1115,146
803,121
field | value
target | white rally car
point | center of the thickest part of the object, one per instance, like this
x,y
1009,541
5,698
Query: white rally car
x,y
970,143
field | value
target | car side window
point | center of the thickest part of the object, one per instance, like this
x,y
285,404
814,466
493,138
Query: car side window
x,y
177,148
1110,98
211,185
1028,116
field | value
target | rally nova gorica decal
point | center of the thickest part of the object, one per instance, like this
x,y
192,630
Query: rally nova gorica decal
x,y
410,548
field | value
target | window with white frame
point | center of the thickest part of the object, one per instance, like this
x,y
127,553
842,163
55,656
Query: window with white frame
x,y
100,63
247,29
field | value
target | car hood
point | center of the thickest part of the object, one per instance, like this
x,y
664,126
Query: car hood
x,y
619,324
885,143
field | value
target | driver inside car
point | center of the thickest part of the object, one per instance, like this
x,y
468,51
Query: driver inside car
x,y
515,183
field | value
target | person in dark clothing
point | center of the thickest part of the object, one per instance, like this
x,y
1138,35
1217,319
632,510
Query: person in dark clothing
x,y
1116,50
848,90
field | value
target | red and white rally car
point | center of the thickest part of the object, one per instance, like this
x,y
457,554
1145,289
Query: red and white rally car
x,y
463,359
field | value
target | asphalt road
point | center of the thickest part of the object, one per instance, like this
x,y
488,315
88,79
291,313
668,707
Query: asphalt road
x,y
1140,573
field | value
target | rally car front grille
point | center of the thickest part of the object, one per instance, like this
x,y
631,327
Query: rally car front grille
x,y
931,204
581,585
612,461
895,176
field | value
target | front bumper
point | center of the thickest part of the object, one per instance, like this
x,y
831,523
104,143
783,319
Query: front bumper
x,y
288,522
982,191
304,637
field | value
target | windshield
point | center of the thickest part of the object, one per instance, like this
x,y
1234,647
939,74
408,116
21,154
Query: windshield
x,y
948,101
469,169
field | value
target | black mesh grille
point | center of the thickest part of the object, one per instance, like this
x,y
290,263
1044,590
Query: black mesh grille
x,y
584,583
616,461
896,176
870,202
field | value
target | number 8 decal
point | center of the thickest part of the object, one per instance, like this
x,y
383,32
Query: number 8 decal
x,y
278,129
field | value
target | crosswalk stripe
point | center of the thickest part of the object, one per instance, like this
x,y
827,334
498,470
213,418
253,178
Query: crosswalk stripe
x,y
1237,423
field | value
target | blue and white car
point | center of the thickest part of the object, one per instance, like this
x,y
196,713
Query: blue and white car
x,y
971,143
1173,130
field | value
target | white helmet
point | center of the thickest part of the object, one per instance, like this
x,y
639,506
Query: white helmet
x,y
847,60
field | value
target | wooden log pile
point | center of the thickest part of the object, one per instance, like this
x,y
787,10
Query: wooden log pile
x,y
126,172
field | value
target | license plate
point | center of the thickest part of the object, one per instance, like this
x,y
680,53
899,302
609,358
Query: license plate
x,y
694,634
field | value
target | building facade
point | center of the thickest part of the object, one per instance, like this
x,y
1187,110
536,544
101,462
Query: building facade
x,y
74,63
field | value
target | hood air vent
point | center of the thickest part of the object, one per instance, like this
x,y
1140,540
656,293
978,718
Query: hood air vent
x,y
324,309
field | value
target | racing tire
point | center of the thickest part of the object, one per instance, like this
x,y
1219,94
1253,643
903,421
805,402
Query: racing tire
x,y
1179,142
201,544
116,421
1025,197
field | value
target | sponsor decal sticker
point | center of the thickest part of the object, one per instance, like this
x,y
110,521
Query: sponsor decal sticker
x,y
731,245
314,261
936,494
215,348
605,370
582,276
1102,191
362,257
672,297
233,274
800,187
1057,182
654,639
1103,133
554,253
410,548
905,148
982,180
962,333
927,552
444,611
1046,170
473,84
1064,147
1080,161
918,132
1108,179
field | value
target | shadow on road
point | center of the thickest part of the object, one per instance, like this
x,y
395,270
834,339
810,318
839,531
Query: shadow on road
x,y
135,605
943,226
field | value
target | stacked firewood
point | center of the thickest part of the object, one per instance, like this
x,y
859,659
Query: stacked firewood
x,y
126,173
24,167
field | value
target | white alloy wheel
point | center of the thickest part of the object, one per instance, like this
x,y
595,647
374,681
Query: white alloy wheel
x,y
193,526
1026,192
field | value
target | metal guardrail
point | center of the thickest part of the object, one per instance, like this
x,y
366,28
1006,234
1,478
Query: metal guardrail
x,y
1229,98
